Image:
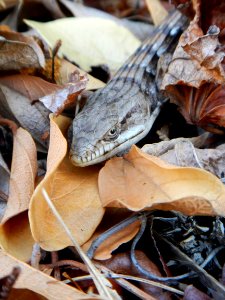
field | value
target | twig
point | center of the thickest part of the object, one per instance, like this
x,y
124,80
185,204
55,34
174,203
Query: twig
x,y
99,280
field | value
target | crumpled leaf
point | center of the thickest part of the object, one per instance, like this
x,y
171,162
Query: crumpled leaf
x,y
89,41
34,118
73,191
195,77
195,60
18,51
183,152
140,181
35,280
14,225
57,101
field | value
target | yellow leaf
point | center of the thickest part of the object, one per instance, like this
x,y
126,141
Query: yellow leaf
x,y
140,181
74,192
89,41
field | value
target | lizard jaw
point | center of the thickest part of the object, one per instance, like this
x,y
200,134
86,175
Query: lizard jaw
x,y
110,149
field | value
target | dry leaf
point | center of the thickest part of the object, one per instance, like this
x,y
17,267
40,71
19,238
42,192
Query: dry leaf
x,y
84,44
66,68
39,282
157,11
32,87
23,173
182,152
74,192
15,235
34,118
140,29
104,251
67,95
140,181
18,51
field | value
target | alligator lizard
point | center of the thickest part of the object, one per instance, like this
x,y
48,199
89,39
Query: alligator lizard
x,y
122,113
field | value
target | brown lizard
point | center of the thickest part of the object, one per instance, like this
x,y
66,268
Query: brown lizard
x,y
122,113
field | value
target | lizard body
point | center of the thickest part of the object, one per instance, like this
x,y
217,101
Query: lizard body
x,y
122,113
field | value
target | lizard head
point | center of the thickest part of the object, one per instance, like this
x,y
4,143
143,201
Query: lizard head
x,y
108,125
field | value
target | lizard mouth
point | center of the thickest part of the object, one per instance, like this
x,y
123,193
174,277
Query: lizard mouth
x,y
108,150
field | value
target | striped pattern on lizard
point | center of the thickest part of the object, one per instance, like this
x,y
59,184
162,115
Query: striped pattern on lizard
x,y
122,113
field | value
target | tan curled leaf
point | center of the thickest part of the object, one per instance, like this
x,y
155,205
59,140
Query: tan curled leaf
x,y
89,41
18,51
15,235
74,192
66,68
39,282
140,181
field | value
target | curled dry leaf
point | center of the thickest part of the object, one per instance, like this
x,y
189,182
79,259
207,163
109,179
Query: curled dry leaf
x,y
66,68
15,235
84,44
67,95
139,181
195,77
34,118
74,192
35,280
183,152
18,51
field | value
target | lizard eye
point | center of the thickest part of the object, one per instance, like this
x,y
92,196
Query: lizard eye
x,y
112,133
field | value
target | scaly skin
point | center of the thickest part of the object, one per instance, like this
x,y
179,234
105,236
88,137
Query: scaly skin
x,y
122,113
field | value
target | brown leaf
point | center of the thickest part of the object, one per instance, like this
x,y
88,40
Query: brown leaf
x,y
74,192
34,118
140,181
121,264
19,51
32,87
39,282
14,225
62,98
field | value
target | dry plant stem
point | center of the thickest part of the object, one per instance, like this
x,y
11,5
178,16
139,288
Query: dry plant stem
x,y
66,262
72,281
36,256
99,280
55,258
99,240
